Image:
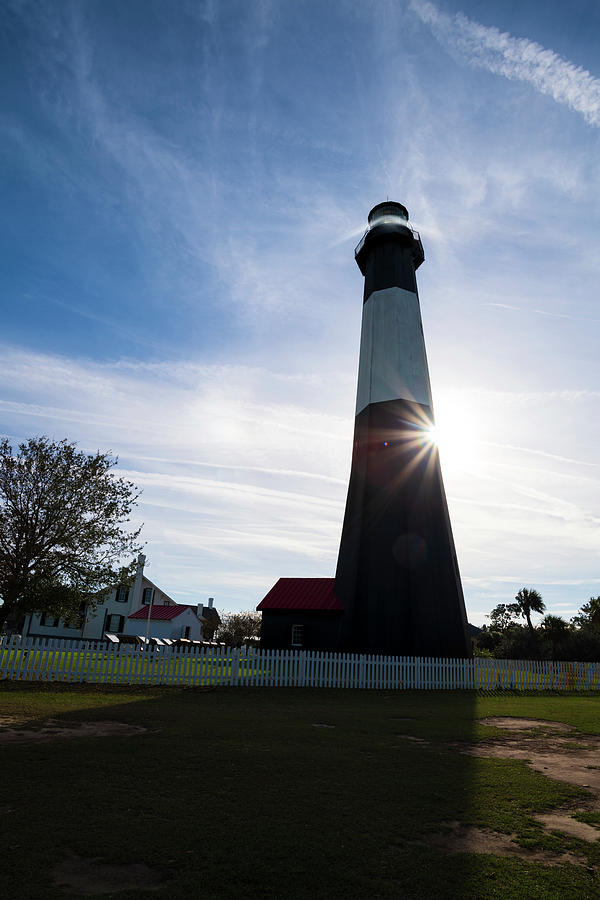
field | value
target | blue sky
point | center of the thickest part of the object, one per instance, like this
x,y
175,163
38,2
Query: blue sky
x,y
183,187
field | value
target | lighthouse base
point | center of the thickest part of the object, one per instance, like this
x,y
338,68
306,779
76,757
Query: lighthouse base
x,y
397,575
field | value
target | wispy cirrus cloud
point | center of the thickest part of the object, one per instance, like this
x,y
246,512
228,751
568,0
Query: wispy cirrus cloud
x,y
519,59
196,207
242,479
244,470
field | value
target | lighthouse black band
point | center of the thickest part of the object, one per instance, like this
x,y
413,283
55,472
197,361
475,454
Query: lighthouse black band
x,y
397,574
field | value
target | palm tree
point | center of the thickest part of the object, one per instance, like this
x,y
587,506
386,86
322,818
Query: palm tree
x,y
556,630
528,601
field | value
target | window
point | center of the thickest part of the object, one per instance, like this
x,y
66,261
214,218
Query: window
x,y
122,594
297,635
186,631
147,595
48,621
114,623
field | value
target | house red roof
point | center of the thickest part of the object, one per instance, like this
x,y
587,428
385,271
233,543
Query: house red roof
x,y
302,593
163,613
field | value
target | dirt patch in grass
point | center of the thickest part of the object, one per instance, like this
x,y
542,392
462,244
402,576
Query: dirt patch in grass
x,y
562,821
512,723
550,757
87,877
471,839
562,758
415,740
10,721
548,748
52,730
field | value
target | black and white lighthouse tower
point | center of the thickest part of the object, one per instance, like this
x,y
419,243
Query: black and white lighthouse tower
x,y
397,574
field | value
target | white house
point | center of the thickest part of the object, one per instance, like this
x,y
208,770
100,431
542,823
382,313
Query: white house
x,y
174,622
124,611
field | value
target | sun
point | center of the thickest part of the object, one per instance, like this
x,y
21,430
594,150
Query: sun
x,y
431,435
455,433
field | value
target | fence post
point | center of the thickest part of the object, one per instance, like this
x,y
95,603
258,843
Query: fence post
x,y
302,673
235,666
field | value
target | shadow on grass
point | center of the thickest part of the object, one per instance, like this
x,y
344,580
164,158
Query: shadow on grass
x,y
256,792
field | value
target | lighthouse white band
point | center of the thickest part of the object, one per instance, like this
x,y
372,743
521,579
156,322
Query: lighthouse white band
x,y
393,364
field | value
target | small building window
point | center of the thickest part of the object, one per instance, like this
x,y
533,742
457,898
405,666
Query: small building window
x,y
186,631
297,635
147,595
114,623
165,602
48,621
122,594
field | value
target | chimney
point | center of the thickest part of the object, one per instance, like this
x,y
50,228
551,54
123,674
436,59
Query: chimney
x,y
211,600
135,592
200,610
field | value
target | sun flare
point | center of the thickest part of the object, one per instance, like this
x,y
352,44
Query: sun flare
x,y
455,433
431,435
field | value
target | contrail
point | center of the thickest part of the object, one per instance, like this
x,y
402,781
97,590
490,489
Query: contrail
x,y
516,58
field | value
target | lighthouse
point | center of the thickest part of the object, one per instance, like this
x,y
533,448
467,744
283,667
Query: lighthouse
x,y
397,574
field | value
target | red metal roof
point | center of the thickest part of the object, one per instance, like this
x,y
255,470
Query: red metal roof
x,y
302,593
159,612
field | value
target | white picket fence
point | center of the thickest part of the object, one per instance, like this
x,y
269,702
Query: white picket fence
x,y
33,659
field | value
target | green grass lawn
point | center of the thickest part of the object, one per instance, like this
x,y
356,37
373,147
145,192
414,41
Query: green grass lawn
x,y
234,793
42,664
